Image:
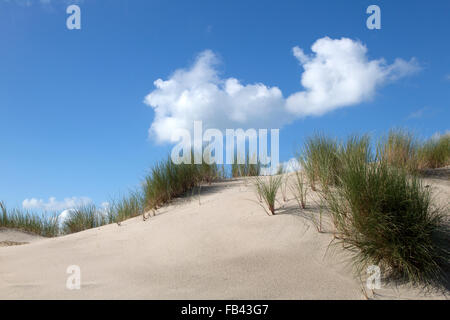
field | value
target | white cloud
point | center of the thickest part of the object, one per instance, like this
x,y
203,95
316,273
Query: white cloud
x,y
53,205
199,93
337,74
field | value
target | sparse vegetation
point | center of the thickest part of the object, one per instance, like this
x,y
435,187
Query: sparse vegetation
x,y
284,186
267,189
250,167
300,189
45,225
165,182
127,207
280,169
319,159
435,153
168,180
83,218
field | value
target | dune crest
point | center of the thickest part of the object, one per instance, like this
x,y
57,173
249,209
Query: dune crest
x,y
219,246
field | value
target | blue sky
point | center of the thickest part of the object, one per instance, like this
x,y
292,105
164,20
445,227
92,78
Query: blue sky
x,y
73,117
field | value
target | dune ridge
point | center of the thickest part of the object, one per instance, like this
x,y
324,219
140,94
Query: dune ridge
x,y
221,245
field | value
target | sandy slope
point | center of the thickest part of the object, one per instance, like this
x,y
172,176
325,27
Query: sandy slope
x,y
14,237
226,247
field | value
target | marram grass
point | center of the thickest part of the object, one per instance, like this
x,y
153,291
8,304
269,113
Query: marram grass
x,y
319,160
385,215
267,189
83,218
45,225
435,152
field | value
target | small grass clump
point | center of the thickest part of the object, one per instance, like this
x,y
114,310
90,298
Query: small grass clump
x,y
267,190
45,225
300,189
250,167
386,216
168,181
320,161
83,218
435,153
127,207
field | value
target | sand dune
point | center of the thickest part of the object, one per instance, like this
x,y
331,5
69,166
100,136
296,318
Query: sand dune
x,y
223,246
10,237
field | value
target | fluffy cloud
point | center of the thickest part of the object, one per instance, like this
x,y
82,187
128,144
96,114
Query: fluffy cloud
x,y
199,93
53,205
337,74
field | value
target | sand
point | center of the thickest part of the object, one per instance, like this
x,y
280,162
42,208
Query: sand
x,y
9,237
221,246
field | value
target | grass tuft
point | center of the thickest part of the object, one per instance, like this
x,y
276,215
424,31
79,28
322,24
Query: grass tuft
x,y
300,189
250,167
386,216
319,159
168,181
127,207
83,218
267,189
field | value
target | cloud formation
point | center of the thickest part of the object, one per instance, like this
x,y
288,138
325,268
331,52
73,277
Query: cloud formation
x,y
198,93
336,74
53,205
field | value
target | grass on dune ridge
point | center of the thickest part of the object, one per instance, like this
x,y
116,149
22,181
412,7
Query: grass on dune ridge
x,y
164,182
250,167
319,160
43,225
435,152
267,189
401,149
